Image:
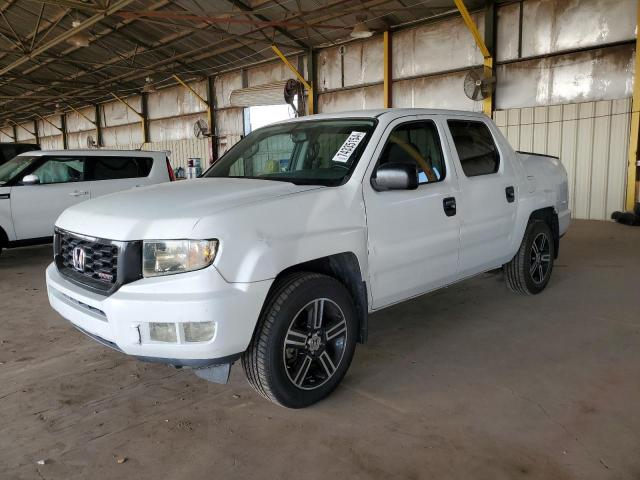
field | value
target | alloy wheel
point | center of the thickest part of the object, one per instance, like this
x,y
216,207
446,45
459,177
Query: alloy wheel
x,y
315,344
540,258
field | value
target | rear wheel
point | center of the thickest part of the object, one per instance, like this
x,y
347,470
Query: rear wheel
x,y
530,270
304,342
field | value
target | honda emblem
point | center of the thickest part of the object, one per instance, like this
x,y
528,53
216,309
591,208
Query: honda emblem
x,y
78,257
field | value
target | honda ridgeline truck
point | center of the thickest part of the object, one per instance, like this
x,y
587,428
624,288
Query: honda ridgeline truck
x,y
278,253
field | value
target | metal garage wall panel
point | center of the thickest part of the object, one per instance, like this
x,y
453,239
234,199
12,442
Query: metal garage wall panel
x,y
353,99
421,50
54,142
77,123
270,72
229,127
79,139
177,128
591,140
122,135
115,113
180,151
329,69
363,62
175,101
224,85
6,135
555,25
603,74
443,91
45,129
24,135
507,32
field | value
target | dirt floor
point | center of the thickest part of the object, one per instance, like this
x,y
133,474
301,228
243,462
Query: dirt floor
x,y
471,382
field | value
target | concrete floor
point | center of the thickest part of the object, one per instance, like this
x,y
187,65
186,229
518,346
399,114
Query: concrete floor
x,y
469,382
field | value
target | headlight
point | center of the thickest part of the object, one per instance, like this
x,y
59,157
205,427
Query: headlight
x,y
166,257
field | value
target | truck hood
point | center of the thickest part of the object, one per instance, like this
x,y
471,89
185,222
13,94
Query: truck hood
x,y
168,210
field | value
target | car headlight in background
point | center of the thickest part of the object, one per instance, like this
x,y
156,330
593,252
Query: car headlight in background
x,y
167,257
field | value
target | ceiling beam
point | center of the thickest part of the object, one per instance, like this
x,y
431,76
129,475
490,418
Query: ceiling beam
x,y
117,5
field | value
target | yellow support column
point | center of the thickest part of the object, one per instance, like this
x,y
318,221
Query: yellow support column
x,y
488,60
387,70
635,124
307,86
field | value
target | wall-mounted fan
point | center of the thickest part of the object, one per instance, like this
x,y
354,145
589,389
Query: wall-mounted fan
x,y
201,129
478,85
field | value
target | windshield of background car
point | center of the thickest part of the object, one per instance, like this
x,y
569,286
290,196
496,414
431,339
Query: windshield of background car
x,y
13,167
315,152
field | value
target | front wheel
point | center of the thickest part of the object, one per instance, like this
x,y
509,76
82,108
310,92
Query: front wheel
x,y
530,270
304,341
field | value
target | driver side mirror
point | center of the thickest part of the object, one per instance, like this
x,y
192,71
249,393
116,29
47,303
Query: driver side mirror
x,y
31,180
395,176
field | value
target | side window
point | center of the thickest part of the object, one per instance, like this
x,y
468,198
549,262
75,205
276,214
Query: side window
x,y
61,170
476,149
114,168
416,143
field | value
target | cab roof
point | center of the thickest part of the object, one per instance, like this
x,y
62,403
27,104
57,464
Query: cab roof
x,y
92,152
388,113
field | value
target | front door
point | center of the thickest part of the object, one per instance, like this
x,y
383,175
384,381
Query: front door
x,y
413,234
487,200
35,208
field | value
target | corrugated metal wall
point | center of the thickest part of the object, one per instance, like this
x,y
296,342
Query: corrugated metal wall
x,y
181,150
591,140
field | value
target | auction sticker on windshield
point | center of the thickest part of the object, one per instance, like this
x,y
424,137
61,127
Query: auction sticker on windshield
x,y
348,147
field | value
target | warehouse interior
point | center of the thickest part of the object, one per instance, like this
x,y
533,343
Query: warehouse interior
x,y
465,382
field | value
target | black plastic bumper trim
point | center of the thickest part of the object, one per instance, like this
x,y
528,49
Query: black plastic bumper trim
x,y
174,362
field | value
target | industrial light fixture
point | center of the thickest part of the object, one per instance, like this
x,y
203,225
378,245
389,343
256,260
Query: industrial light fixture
x,y
148,86
360,29
79,39
58,110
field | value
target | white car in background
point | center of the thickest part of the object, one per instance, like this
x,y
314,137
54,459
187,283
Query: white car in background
x,y
36,187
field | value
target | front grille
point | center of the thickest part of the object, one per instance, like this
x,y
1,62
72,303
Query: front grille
x,y
108,264
100,259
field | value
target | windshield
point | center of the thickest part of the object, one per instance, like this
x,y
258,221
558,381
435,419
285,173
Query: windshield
x,y
320,152
13,167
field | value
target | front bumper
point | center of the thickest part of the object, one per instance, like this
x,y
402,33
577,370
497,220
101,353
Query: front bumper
x,y
120,320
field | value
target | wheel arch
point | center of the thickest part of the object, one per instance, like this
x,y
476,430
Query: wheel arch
x,y
550,217
4,238
345,268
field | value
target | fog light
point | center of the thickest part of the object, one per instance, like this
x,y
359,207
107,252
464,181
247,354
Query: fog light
x,y
163,332
198,331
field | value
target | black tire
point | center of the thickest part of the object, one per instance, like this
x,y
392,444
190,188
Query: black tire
x,y
270,364
530,270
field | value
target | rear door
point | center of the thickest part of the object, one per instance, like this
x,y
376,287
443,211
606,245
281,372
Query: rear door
x,y
487,199
35,208
110,174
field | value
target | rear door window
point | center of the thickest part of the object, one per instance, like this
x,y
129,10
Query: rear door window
x,y
476,148
114,168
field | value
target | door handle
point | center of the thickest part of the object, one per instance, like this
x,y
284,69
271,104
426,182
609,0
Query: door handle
x,y
511,194
449,206
78,193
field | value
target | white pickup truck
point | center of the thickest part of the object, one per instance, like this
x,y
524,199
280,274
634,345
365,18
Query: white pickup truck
x,y
279,252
